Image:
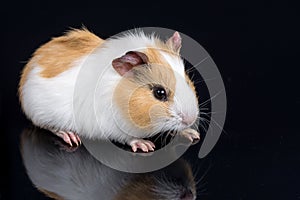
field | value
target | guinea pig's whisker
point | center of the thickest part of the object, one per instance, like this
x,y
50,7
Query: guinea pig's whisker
x,y
201,192
210,99
204,125
203,115
204,80
204,109
192,77
196,169
190,70
204,103
223,130
204,128
200,184
209,113
166,137
196,125
203,176
158,136
204,120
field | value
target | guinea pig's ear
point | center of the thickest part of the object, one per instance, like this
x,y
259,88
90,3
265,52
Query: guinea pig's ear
x,y
175,42
126,62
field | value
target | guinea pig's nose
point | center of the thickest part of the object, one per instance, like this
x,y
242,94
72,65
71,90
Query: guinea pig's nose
x,y
187,194
187,119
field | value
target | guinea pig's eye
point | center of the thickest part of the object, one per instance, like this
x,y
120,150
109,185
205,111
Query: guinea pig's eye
x,y
159,93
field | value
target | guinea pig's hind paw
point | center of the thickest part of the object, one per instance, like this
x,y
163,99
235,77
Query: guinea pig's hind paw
x,y
191,134
69,137
144,145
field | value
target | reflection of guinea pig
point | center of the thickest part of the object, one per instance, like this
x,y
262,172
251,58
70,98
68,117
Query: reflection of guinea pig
x,y
78,175
143,88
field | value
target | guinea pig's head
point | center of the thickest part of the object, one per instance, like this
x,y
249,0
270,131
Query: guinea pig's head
x,y
155,94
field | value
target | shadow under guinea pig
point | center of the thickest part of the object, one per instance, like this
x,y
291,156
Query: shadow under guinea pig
x,y
74,174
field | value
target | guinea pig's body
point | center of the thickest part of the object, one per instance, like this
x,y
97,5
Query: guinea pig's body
x,y
141,89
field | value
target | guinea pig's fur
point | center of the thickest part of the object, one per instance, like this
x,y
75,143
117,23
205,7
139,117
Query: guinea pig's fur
x,y
78,175
119,105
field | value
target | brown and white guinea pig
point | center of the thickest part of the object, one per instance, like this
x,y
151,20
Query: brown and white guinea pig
x,y
141,88
78,175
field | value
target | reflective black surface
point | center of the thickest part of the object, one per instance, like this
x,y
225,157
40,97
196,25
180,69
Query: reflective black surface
x,y
254,44
59,170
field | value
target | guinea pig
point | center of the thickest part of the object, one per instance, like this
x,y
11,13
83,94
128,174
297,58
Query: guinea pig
x,y
143,88
78,175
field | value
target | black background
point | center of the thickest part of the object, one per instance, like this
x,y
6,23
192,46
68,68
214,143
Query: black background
x,y
255,46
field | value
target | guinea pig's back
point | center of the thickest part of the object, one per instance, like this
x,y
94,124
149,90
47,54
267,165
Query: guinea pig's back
x,y
47,81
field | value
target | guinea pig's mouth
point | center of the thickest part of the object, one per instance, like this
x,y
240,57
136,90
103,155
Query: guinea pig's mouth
x,y
175,124
180,122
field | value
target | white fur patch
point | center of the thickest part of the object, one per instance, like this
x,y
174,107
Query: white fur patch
x,y
185,101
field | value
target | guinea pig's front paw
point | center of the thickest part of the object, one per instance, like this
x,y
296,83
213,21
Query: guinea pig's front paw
x,y
191,134
144,145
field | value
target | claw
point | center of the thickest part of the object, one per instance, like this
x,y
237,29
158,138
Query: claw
x,y
144,145
150,146
69,137
78,139
73,138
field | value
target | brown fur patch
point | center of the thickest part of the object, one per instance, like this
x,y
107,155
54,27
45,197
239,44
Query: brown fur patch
x,y
24,76
135,98
155,57
137,189
59,54
190,83
143,110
